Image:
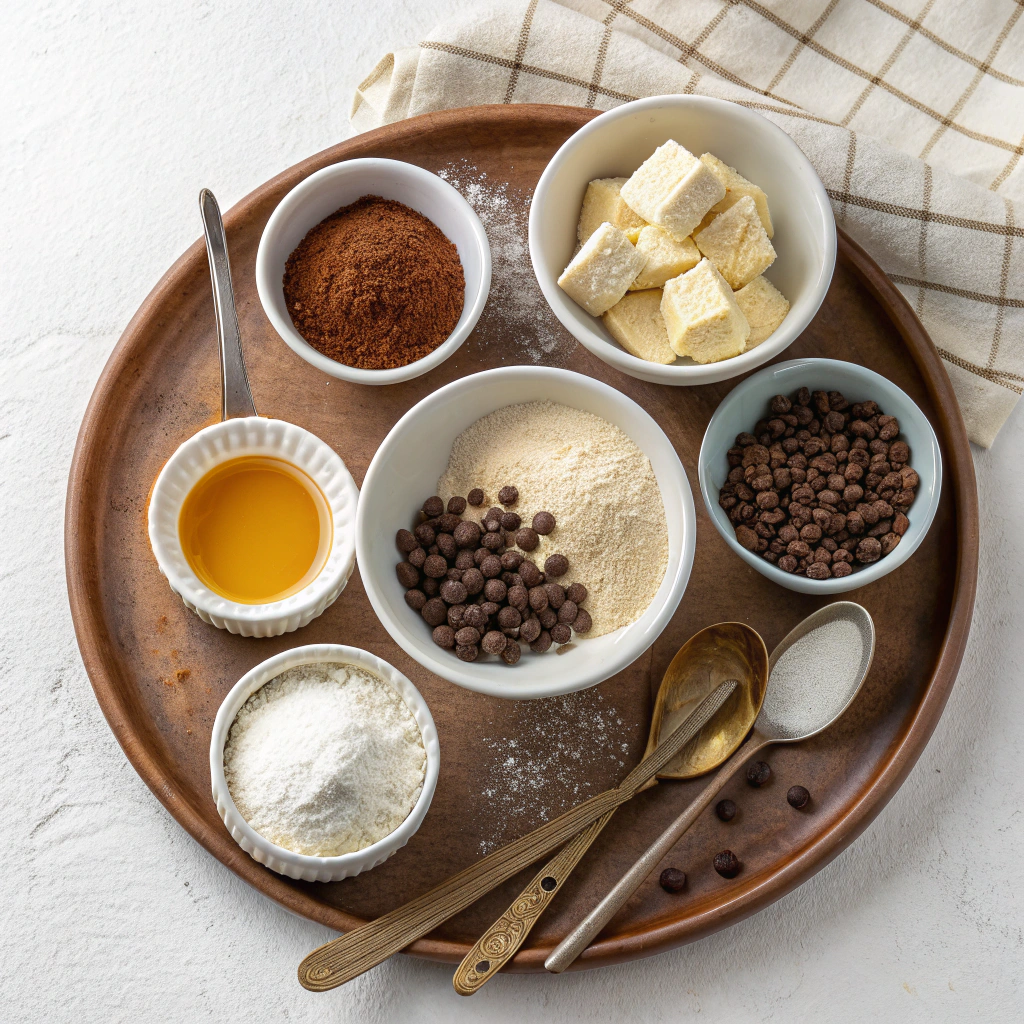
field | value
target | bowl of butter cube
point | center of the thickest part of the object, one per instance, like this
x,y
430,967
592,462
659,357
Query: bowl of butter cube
x,y
682,239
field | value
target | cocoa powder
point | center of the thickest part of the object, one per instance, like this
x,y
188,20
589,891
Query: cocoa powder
x,y
375,285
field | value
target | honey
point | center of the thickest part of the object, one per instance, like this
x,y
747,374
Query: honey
x,y
255,529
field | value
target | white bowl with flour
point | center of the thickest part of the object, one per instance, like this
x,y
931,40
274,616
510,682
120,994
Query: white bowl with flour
x,y
305,737
406,470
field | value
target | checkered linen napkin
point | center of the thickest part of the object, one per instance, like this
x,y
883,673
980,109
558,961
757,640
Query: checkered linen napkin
x,y
911,111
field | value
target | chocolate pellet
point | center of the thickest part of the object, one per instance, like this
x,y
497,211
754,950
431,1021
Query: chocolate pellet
x,y
415,599
457,616
518,597
561,633
556,565
726,810
672,880
469,652
530,573
433,506
511,653
408,575
473,581
495,590
446,546
583,621
430,587
568,612
453,592
548,617
425,534
556,595
467,635
538,598
467,534
492,541
417,557
475,617
491,567
530,630
727,864
543,523
435,566
758,774
456,505
527,538
444,636
576,592
511,560
509,617
542,643
797,797
494,642
434,612
464,560
508,495
406,541
475,497
510,521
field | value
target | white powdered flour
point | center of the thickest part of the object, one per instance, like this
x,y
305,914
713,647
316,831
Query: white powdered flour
x,y
325,759
599,486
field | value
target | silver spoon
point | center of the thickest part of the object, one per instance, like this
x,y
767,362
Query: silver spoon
x,y
780,721
234,380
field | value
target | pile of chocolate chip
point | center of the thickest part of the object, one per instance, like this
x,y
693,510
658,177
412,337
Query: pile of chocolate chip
x,y
821,488
476,591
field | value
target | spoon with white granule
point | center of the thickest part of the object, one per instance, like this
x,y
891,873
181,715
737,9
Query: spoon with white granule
x,y
814,675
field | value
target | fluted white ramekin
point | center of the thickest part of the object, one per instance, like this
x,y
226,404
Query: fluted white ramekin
x,y
231,439
298,865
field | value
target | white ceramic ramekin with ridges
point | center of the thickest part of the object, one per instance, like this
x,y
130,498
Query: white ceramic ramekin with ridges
x,y
298,865
232,439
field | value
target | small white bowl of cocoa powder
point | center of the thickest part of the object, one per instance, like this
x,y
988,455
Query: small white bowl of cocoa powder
x,y
374,271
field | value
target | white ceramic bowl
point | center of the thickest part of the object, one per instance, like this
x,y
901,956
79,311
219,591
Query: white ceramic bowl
x,y
748,402
231,439
405,471
298,865
616,143
328,190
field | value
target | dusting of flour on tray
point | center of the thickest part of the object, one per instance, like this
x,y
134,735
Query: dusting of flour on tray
x,y
593,479
325,759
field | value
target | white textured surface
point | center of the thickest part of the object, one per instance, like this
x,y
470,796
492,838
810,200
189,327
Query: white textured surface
x,y
113,117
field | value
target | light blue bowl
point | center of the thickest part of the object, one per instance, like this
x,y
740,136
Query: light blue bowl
x,y
748,402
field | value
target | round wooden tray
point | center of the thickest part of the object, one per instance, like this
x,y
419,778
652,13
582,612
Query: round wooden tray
x,y
160,673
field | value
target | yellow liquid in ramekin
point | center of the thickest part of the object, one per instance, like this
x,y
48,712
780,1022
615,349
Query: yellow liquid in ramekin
x,y
255,529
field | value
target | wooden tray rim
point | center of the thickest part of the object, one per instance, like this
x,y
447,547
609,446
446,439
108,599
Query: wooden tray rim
x,y
761,890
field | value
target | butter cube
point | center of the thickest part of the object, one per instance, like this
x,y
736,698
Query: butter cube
x,y
602,271
666,258
673,189
636,323
702,317
604,203
737,243
736,187
764,306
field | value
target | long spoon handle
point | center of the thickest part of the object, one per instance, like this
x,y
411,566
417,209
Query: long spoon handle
x,y
237,398
580,937
502,940
357,951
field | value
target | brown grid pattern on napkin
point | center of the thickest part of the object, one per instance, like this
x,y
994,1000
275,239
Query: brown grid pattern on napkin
x,y
868,89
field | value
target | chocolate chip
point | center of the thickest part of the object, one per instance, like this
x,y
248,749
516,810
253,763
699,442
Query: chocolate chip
x,y
576,592
405,541
530,630
475,497
492,541
798,797
408,575
511,653
510,521
435,566
543,523
468,652
726,810
542,643
672,880
727,864
446,546
568,612
527,538
456,505
453,592
509,617
494,642
538,598
425,534
495,590
464,559
561,633
433,506
508,495
548,617
434,612
758,774
556,565
511,560
415,599
583,621
416,557
444,636
518,597
530,573
491,567
457,616
467,635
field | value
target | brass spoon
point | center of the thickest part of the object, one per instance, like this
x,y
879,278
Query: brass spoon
x,y
729,650
777,724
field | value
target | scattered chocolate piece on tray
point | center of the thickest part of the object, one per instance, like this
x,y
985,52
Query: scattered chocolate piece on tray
x,y
822,487
727,864
758,774
726,810
672,880
798,797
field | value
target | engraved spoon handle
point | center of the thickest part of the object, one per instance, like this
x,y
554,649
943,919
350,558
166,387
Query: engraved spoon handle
x,y
237,398
502,940
357,951
580,937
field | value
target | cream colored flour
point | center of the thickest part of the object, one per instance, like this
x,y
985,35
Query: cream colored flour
x,y
593,479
